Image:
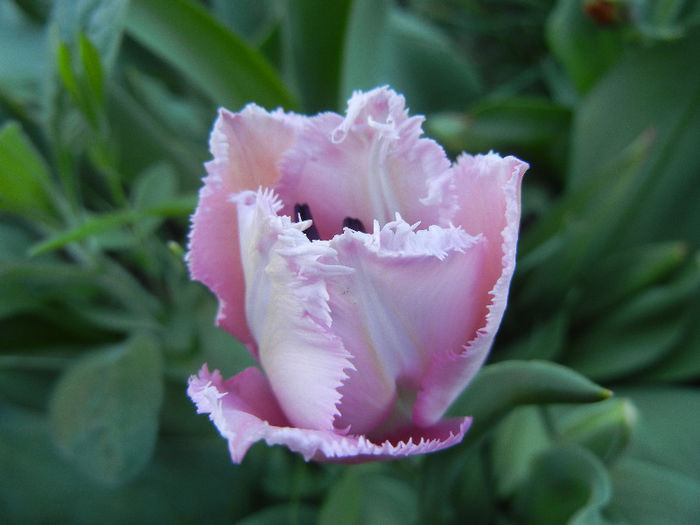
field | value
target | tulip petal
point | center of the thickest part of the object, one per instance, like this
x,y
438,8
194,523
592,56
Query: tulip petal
x,y
410,298
489,187
369,166
287,310
244,410
246,147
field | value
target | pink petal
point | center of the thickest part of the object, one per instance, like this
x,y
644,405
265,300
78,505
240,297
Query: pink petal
x,y
368,166
288,313
244,410
489,188
246,147
410,298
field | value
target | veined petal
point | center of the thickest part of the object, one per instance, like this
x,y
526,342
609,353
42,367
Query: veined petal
x,y
287,310
380,313
244,410
369,165
489,187
246,147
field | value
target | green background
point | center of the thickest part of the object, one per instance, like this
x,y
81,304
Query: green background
x,y
105,110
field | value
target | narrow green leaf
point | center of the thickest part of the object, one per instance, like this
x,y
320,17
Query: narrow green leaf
x,y
25,183
104,412
92,67
218,62
99,21
638,333
502,386
107,222
92,226
625,273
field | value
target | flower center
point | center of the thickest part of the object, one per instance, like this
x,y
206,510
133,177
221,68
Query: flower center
x,y
302,212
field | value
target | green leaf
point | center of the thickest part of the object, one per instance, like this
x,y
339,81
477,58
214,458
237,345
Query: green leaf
x,y
648,494
502,386
663,204
215,60
104,412
25,183
98,21
365,495
567,484
628,272
638,333
667,433
386,45
314,32
92,67
38,486
502,124
365,36
291,513
518,440
585,49
546,341
603,428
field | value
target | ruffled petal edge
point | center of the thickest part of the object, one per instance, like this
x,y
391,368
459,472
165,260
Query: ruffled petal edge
x,y
244,411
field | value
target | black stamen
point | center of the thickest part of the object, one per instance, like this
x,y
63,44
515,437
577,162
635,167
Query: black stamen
x,y
302,212
353,224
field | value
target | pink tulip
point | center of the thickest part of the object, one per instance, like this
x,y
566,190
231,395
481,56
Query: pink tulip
x,y
364,338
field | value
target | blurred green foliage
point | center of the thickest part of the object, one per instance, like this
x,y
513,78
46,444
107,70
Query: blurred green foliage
x,y
105,107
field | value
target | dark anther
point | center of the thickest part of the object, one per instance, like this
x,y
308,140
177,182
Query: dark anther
x,y
302,212
353,224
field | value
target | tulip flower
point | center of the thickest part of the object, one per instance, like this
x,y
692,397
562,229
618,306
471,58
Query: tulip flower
x,y
365,273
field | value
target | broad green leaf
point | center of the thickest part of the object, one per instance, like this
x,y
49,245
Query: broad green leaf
x,y
104,412
365,495
502,386
215,60
365,37
567,484
386,45
666,101
585,49
518,440
667,433
501,125
251,19
648,494
421,63
603,428
23,57
25,183
314,33
38,486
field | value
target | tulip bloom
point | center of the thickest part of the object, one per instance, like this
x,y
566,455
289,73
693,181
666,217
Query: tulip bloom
x,y
365,273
